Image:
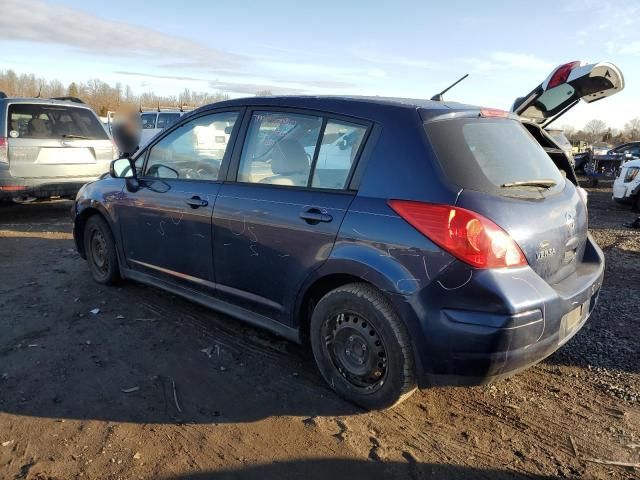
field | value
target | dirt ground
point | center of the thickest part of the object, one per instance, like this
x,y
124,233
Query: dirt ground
x,y
152,386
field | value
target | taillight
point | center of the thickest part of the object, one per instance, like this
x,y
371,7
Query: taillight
x,y
493,113
4,150
466,235
561,74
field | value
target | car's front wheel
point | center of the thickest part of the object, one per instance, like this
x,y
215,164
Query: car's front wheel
x,y
100,250
362,348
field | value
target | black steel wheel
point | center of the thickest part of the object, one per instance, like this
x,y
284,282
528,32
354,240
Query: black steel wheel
x,y
357,351
361,347
100,250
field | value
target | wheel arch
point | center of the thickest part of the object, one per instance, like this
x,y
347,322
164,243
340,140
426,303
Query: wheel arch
x,y
312,295
335,273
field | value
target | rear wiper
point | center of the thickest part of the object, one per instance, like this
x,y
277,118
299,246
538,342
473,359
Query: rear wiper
x,y
70,135
543,183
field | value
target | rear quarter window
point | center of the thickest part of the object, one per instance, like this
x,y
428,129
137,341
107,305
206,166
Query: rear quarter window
x,y
487,154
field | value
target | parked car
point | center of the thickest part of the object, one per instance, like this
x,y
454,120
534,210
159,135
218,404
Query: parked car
x,y
626,186
628,151
436,244
607,164
50,147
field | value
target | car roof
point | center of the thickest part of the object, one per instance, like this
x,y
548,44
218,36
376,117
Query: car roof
x,y
347,105
44,101
155,112
632,163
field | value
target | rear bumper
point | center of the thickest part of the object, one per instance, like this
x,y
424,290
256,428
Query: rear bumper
x,y
497,323
12,187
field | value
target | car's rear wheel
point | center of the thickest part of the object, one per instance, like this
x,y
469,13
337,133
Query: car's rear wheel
x,y
100,250
361,347
636,203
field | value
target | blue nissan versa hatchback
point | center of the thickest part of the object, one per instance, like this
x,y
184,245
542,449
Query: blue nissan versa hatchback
x,y
411,243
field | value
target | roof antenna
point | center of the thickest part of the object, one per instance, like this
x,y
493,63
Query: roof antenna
x,y
438,96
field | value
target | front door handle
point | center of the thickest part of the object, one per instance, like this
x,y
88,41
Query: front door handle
x,y
196,202
314,215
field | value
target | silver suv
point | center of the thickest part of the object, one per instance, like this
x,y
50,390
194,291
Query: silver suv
x,y
50,147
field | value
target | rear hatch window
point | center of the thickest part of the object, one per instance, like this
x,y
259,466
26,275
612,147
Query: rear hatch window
x,y
38,121
497,156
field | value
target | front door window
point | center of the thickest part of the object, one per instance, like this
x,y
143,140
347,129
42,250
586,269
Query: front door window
x,y
194,151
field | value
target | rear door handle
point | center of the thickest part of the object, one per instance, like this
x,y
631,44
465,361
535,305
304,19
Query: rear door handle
x,y
196,202
314,215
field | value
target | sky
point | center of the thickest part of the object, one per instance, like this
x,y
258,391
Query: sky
x,y
392,48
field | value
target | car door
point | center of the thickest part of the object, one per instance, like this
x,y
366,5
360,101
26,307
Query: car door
x,y
278,218
565,87
166,223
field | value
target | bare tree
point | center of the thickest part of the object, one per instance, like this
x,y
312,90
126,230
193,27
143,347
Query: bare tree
x,y
569,131
101,96
595,129
632,128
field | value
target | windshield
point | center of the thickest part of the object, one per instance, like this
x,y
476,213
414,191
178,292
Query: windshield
x,y
54,122
492,155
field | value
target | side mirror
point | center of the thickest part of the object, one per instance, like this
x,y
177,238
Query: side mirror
x,y
122,168
125,168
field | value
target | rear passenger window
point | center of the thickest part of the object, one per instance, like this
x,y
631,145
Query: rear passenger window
x,y
279,149
166,119
148,120
340,145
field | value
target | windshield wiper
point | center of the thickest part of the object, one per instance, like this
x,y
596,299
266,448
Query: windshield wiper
x,y
70,135
542,183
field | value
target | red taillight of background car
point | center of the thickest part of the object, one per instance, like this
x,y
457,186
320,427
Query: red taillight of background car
x,y
4,150
561,74
466,235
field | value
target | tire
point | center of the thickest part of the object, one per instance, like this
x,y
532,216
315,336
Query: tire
x,y
636,203
100,250
362,348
